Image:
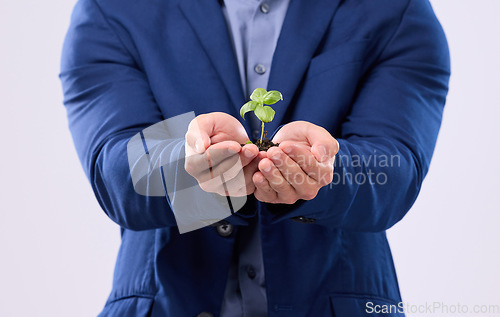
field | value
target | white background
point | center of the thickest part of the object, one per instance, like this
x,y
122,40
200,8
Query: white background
x,y
57,248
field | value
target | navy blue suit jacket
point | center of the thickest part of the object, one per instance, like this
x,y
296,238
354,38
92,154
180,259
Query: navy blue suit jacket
x,y
373,73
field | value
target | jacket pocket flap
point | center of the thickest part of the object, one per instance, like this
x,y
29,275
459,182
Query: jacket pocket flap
x,y
358,305
129,306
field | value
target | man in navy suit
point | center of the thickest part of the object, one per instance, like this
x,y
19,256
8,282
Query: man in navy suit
x,y
364,85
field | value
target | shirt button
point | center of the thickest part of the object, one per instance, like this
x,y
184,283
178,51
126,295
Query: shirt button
x,y
225,230
251,273
260,69
264,7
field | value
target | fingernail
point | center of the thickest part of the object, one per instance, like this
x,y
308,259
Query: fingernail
x,y
199,146
248,153
275,156
267,169
231,151
322,150
287,149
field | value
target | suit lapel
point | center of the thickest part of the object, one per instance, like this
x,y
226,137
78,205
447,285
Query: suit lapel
x,y
304,26
207,20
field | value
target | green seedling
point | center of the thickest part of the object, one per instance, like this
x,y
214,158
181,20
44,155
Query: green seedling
x,y
259,98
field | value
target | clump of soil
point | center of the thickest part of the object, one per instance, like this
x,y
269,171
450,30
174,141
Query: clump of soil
x,y
266,143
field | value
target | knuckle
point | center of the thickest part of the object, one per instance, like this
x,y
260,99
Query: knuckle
x,y
326,178
205,187
336,147
270,192
189,167
210,186
241,192
261,196
249,189
309,194
280,184
258,185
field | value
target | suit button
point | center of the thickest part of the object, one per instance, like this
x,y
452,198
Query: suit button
x,y
225,229
251,273
205,314
303,219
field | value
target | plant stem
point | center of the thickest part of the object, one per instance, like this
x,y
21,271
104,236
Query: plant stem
x,y
262,133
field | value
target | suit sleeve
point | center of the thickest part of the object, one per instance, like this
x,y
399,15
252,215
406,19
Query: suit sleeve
x,y
108,101
388,138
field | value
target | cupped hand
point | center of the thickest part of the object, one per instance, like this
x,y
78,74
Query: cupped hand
x,y
299,167
215,158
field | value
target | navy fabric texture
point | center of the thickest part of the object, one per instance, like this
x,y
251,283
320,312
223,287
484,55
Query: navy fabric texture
x,y
373,73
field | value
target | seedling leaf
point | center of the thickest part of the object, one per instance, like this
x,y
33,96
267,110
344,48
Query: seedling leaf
x,y
265,114
261,97
249,106
258,94
272,97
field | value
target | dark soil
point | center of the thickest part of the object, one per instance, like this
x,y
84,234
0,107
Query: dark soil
x,y
266,143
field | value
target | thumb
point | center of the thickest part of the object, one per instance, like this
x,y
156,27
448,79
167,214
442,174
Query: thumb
x,y
323,153
323,146
197,137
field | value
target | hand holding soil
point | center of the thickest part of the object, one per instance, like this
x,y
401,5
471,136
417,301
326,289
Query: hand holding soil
x,y
215,158
298,162
299,167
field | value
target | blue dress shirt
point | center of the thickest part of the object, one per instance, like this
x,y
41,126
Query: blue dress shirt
x,y
254,26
